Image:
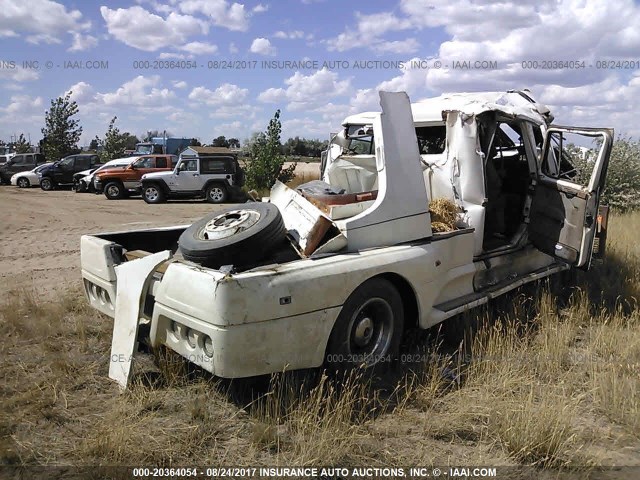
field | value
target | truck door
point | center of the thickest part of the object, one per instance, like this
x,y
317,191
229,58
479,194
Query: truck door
x,y
571,177
64,170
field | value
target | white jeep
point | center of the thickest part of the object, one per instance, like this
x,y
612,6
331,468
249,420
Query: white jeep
x,y
201,172
334,274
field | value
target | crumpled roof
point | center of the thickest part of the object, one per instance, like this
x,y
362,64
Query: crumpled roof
x,y
513,103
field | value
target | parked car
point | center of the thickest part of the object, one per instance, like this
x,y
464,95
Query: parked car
x,y
83,181
334,276
62,171
117,183
212,173
29,178
20,162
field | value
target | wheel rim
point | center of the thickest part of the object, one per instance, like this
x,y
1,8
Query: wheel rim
x,y
229,223
371,330
23,183
113,191
46,183
151,193
216,194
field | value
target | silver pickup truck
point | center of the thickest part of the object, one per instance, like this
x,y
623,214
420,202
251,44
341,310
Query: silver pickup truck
x,y
337,272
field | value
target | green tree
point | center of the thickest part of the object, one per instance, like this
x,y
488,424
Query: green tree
x,y
220,141
622,190
195,143
61,132
234,143
264,164
622,185
130,141
93,145
114,143
22,145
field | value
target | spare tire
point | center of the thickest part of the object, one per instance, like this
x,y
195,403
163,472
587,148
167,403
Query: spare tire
x,y
234,236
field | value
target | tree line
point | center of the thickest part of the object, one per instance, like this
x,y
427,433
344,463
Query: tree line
x,y
265,153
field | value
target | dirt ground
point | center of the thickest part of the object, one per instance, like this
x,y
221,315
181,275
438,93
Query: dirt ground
x,y
40,239
40,231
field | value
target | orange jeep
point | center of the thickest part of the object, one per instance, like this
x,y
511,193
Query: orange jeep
x,y
119,182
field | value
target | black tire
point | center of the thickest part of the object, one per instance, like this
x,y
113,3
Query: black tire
x,y
47,184
216,193
23,182
114,190
369,328
263,231
152,193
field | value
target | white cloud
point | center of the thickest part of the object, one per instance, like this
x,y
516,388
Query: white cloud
x,y
199,48
82,42
81,93
140,92
147,31
233,48
158,7
170,55
179,84
307,127
24,105
369,30
226,94
220,13
18,74
260,8
307,91
273,95
44,21
262,46
292,35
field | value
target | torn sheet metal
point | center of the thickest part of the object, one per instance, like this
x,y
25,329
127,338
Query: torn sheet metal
x,y
400,212
465,166
133,282
305,222
512,103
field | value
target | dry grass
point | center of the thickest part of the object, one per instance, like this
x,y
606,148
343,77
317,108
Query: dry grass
x,y
444,214
544,383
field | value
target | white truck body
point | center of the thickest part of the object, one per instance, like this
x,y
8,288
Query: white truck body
x,y
279,316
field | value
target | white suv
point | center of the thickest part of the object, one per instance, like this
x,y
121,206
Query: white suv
x,y
215,177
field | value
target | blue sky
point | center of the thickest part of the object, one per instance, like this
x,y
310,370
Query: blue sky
x,y
131,38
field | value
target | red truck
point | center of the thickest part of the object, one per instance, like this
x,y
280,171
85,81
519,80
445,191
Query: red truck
x,y
120,182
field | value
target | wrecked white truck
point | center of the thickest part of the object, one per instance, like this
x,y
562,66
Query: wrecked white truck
x,y
337,270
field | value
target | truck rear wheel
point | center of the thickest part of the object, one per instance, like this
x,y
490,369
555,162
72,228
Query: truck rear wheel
x,y
216,193
114,191
369,327
234,236
153,194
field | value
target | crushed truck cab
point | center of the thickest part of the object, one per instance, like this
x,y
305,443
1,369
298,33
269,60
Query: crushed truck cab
x,y
338,269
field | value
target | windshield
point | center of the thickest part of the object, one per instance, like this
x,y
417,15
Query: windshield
x,y
360,139
41,167
144,149
66,162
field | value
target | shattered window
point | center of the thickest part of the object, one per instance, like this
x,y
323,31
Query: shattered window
x,y
431,140
571,156
360,140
